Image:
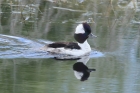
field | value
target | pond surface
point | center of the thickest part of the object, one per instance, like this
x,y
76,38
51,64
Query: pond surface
x,y
26,26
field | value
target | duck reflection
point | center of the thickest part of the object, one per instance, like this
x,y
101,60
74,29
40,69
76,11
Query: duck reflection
x,y
81,71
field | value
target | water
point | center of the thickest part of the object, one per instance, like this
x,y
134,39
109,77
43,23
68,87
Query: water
x,y
26,26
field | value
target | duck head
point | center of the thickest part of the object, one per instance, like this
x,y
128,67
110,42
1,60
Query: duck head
x,y
83,31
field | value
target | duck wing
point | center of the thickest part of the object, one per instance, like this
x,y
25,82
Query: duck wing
x,y
57,45
72,45
67,45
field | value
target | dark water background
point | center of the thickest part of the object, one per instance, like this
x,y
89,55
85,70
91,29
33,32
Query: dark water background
x,y
27,25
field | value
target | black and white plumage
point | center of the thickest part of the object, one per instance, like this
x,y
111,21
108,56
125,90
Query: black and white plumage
x,y
79,48
66,45
83,69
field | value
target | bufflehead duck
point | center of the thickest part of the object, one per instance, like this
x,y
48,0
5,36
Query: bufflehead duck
x,y
79,48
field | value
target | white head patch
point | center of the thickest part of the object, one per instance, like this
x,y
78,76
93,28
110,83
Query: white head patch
x,y
79,29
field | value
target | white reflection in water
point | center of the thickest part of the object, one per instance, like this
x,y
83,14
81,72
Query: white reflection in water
x,y
73,10
81,71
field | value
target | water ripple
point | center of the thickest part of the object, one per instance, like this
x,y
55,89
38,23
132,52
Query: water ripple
x,y
18,47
